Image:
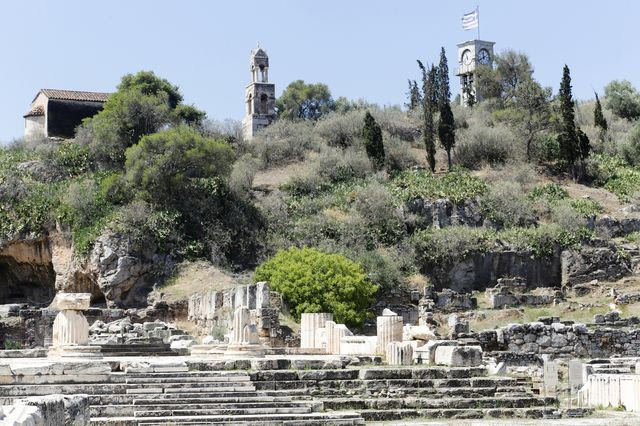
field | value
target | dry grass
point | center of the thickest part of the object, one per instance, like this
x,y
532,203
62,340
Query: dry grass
x,y
608,200
197,277
273,178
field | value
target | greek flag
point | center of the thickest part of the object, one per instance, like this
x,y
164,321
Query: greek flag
x,y
470,20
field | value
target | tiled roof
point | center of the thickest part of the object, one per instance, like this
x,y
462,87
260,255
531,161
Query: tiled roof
x,y
75,95
35,111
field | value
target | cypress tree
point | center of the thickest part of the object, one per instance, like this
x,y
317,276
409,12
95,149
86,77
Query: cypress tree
x,y
372,135
568,137
415,98
598,116
446,123
429,105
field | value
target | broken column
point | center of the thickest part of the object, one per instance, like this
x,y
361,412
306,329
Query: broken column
x,y
389,329
399,353
244,338
309,323
70,328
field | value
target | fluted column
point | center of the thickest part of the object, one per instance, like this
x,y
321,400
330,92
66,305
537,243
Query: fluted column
x,y
70,334
309,323
389,329
399,353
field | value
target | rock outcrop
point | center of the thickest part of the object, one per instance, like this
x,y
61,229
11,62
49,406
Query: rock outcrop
x,y
124,271
594,263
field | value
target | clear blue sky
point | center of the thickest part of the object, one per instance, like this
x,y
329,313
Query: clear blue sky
x,y
361,49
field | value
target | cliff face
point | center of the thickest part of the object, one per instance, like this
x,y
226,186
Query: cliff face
x,y
117,271
26,271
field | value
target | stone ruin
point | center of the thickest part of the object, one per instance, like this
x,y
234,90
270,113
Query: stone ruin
x,y
212,312
512,292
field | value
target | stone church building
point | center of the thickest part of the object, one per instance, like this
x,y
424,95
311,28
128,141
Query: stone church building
x,y
57,113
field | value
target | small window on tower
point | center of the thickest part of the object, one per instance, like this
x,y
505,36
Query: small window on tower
x,y
264,104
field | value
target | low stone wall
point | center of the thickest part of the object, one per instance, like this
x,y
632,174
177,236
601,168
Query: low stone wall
x,y
50,410
560,340
212,311
32,327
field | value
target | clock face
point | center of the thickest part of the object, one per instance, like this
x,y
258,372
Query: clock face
x,y
483,57
466,57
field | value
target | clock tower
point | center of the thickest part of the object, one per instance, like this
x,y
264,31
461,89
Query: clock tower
x,y
472,55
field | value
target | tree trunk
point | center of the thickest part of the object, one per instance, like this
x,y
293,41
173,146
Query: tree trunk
x,y
449,158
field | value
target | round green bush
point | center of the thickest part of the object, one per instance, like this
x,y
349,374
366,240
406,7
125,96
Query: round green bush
x,y
314,281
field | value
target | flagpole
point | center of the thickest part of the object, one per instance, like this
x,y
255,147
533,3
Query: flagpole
x,y
478,17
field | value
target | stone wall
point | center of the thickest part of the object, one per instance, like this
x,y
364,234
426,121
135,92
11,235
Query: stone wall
x,y
213,311
562,340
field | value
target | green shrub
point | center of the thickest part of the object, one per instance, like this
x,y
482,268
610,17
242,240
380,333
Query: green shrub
x,y
506,205
550,192
633,237
456,185
586,207
398,155
449,245
486,145
543,240
72,159
614,175
313,281
12,344
376,205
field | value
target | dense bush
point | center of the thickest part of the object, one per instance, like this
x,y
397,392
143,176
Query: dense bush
x,y
457,186
544,240
340,129
506,205
615,175
283,142
313,281
164,164
442,247
623,99
478,146
377,206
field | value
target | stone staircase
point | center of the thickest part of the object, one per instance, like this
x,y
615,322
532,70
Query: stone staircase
x,y
381,394
349,396
190,398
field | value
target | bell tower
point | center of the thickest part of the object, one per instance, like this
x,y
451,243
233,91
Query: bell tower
x,y
260,96
472,55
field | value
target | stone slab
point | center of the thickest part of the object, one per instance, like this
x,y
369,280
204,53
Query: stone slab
x,y
72,301
459,356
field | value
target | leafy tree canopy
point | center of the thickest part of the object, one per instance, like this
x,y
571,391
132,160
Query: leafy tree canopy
x,y
301,101
143,104
314,281
511,68
164,164
623,99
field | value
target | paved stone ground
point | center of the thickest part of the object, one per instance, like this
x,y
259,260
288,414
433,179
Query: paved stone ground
x,y
609,418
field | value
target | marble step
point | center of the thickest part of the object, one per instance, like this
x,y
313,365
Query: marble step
x,y
384,384
436,403
456,414
188,379
188,389
345,417
186,374
130,410
230,411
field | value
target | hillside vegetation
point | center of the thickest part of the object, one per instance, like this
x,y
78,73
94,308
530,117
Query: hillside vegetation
x,y
338,176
